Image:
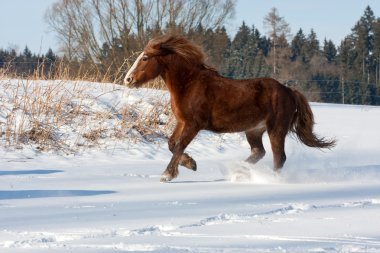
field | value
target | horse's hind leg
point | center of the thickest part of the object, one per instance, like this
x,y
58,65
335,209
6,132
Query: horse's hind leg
x,y
254,138
277,141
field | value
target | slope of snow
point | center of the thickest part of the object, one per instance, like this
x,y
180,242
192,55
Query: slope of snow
x,y
109,199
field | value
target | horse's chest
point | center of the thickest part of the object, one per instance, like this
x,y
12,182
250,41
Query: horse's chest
x,y
177,109
185,110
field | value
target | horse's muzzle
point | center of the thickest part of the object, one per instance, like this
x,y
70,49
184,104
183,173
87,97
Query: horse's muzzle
x,y
132,84
129,82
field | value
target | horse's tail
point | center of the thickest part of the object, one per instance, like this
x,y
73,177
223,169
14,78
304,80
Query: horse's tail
x,y
303,122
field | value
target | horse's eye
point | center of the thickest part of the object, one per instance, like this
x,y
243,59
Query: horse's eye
x,y
145,58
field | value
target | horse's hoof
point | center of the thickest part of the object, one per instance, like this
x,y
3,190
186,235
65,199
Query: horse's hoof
x,y
194,166
191,165
166,178
255,157
188,162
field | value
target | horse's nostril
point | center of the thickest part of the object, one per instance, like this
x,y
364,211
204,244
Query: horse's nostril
x,y
129,79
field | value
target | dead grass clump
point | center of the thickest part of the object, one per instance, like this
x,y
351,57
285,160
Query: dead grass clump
x,y
149,134
45,138
64,115
94,135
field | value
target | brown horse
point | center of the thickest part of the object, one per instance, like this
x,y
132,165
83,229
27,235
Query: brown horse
x,y
203,99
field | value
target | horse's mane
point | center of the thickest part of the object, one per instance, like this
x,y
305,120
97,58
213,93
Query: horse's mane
x,y
180,46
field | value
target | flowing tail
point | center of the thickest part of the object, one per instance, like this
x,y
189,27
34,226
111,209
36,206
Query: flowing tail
x,y
303,123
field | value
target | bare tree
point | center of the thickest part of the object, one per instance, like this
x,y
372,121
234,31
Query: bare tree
x,y
277,28
86,28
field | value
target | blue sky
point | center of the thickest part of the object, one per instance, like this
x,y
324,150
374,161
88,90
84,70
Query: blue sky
x,y
22,21
331,19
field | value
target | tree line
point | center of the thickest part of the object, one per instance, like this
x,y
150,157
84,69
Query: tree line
x,y
26,63
325,72
101,38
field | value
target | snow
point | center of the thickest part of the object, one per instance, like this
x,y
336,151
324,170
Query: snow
x,y
108,198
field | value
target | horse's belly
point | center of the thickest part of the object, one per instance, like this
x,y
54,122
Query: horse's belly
x,y
236,124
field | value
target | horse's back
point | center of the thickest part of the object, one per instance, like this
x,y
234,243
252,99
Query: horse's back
x,y
238,105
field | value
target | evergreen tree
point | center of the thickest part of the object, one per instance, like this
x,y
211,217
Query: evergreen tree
x,y
50,63
312,46
376,50
363,40
2,58
246,54
297,46
237,52
221,45
329,51
50,56
264,45
27,53
258,50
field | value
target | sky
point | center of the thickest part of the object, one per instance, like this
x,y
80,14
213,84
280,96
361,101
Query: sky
x,y
330,19
22,21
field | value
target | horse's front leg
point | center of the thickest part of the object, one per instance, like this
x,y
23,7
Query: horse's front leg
x,y
185,160
182,136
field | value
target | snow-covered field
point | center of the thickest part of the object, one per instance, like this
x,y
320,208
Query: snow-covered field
x,y
108,198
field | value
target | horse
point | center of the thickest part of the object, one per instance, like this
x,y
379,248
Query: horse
x,y
202,99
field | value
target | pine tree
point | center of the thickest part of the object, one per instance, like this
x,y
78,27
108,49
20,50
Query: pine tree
x,y
312,46
257,50
297,46
27,53
237,52
363,40
329,51
376,50
221,45
50,56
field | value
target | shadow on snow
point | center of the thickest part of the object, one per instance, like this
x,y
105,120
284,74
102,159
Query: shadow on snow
x,y
30,194
27,172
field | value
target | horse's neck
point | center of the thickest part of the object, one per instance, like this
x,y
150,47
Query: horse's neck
x,y
173,84
177,77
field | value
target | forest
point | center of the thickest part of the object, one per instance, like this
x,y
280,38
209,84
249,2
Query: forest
x,y
99,39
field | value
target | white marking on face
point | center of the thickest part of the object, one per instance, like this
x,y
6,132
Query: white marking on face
x,y
132,69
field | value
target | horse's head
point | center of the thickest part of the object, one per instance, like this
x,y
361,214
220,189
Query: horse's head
x,y
144,69
152,61
148,65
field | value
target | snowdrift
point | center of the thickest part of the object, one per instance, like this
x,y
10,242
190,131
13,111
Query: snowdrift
x,y
80,165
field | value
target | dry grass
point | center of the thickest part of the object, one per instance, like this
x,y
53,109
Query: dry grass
x,y
55,115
